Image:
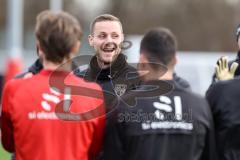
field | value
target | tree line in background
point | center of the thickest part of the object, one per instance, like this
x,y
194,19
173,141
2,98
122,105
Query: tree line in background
x,y
200,25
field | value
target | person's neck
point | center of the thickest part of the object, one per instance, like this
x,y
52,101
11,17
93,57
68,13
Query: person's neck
x,y
153,76
167,76
102,64
65,66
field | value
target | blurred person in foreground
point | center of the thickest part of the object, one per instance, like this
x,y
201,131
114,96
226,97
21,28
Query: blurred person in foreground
x,y
223,97
224,69
40,118
171,125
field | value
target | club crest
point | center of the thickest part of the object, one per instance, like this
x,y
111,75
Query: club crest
x,y
120,89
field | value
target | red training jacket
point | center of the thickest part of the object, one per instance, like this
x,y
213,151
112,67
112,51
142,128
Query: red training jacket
x,y
32,129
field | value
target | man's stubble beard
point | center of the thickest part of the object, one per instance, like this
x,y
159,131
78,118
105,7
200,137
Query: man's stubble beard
x,y
101,60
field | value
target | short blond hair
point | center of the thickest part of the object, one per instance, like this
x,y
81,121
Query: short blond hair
x,y
104,17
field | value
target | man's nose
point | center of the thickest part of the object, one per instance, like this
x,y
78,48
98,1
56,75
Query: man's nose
x,y
109,39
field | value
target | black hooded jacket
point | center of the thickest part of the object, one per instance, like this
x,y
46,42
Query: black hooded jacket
x,y
223,98
176,125
116,80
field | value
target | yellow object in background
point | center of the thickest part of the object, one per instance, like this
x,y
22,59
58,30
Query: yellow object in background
x,y
222,70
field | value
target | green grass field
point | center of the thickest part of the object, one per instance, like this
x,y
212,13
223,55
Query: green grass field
x,y
3,154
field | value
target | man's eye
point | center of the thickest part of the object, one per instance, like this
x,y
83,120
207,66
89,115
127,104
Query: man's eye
x,y
101,36
115,36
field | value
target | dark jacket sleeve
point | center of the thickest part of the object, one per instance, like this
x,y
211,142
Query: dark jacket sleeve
x,y
114,138
210,150
37,67
213,95
34,69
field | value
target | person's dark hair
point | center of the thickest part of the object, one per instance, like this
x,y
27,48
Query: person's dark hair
x,y
159,45
238,32
57,33
101,18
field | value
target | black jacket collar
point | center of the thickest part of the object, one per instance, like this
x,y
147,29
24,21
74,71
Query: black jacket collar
x,y
96,73
238,56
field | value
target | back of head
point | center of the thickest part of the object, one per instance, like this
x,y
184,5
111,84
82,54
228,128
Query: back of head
x,y
57,33
159,46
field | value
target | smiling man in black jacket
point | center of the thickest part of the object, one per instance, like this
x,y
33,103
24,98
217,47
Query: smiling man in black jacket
x,y
109,66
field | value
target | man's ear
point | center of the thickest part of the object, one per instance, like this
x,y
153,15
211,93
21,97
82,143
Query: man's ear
x,y
175,60
238,42
142,62
142,65
39,50
142,58
90,40
122,37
